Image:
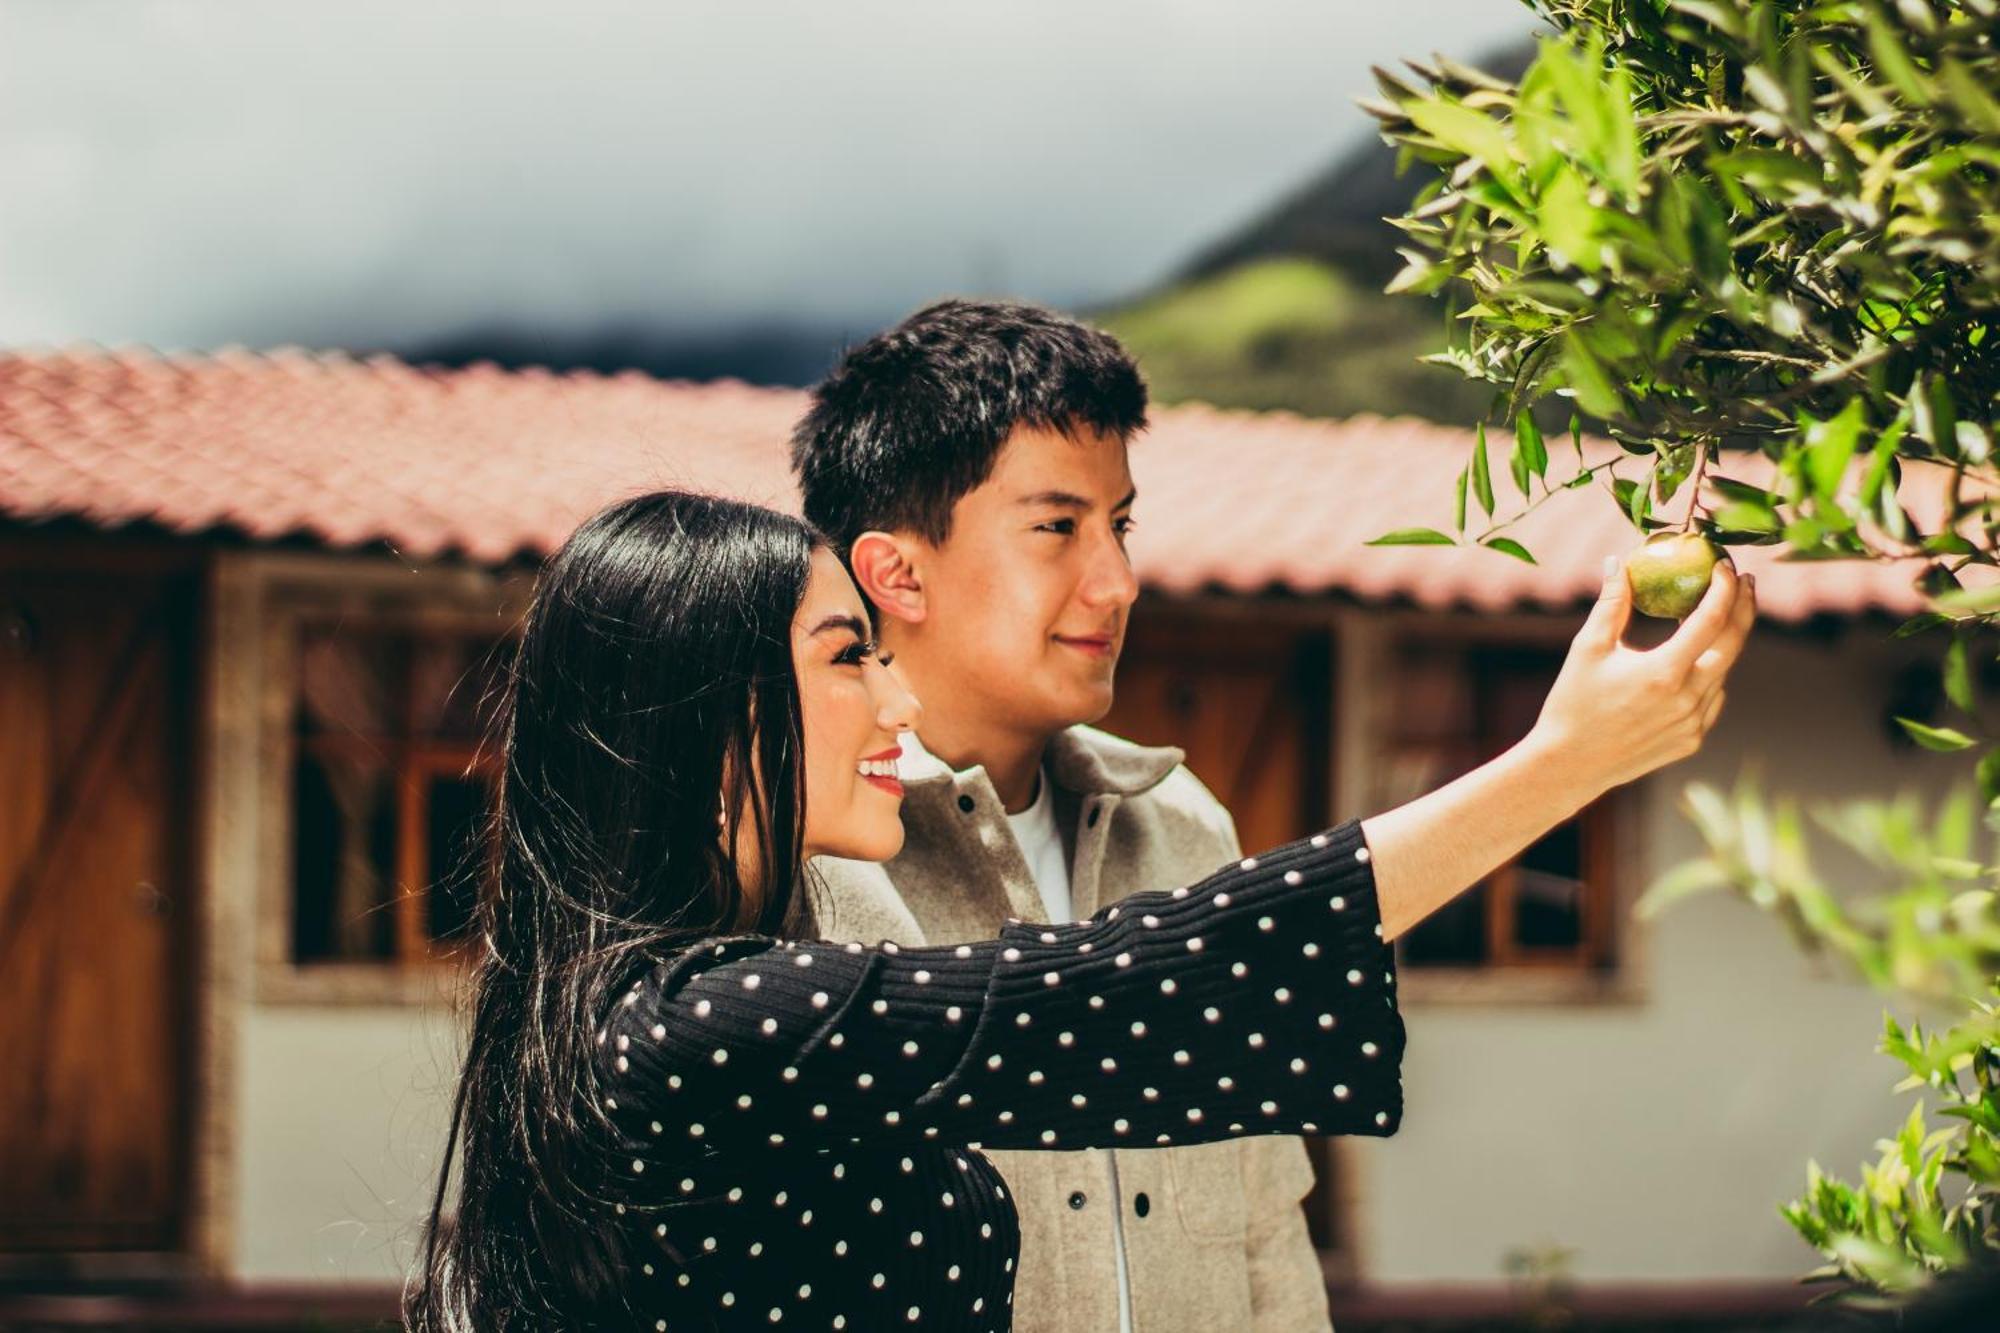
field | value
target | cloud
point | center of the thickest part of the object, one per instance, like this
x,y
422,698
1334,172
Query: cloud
x,y
187,173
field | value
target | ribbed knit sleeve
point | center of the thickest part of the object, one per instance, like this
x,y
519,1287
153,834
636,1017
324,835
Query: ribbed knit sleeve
x,y
1260,1001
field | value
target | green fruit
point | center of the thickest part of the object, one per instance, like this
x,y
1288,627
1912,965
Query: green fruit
x,y
1670,572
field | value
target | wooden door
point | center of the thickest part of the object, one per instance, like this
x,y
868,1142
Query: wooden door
x,y
1249,702
96,731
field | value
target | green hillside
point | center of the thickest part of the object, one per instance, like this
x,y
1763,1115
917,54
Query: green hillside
x,y
1293,333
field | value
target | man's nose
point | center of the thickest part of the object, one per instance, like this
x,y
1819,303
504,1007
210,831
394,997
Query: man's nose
x,y
1110,582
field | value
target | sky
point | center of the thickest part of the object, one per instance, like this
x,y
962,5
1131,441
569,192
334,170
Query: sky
x,y
188,174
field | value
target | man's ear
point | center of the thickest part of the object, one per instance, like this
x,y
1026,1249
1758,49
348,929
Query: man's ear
x,y
887,577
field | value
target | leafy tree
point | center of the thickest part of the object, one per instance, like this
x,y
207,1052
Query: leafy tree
x,y
1758,244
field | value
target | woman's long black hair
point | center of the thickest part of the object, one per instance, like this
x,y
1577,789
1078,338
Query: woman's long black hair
x,y
652,691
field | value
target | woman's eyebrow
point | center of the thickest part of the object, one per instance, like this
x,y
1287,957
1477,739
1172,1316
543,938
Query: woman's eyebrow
x,y
853,623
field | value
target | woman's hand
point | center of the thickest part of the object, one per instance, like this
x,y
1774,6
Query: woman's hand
x,y
1617,713
1614,713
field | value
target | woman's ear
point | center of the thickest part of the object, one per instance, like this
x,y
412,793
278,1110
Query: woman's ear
x,y
886,576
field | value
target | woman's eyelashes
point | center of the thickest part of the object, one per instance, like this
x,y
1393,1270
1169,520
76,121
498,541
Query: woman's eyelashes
x,y
854,654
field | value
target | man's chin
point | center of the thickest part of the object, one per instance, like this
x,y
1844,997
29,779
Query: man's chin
x,y
1080,708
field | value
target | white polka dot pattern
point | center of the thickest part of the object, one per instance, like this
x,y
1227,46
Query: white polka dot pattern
x,y
770,1081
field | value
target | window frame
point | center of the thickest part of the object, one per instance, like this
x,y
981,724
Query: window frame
x,y
1607,966
454,601
410,762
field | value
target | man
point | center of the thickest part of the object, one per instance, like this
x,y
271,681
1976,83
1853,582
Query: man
x,y
970,465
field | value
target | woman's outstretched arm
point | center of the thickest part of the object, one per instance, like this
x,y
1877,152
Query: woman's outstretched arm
x,y
1260,1001
1614,714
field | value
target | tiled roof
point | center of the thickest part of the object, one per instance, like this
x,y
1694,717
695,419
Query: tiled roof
x,y
495,464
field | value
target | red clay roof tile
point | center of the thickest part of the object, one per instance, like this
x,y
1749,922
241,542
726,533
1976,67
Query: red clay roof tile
x,y
493,465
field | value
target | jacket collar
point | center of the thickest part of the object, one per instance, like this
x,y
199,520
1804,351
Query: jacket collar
x,y
1081,760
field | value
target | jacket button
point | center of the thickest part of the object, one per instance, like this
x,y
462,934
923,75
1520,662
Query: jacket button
x,y
1142,1205
1077,1200
965,804
1091,819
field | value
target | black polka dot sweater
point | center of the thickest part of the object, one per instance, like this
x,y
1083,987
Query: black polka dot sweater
x,y
798,1123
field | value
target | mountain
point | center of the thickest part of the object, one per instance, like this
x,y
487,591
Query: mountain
x,y
783,354
1288,311
1336,216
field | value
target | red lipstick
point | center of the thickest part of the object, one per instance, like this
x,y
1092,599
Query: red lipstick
x,y
888,784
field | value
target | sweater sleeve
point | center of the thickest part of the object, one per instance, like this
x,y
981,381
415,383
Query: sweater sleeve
x,y
1260,1001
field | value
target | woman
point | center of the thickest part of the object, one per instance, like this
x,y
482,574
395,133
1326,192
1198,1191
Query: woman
x,y
676,1113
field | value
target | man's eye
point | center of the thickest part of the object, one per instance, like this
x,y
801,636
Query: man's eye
x,y
1124,526
1062,527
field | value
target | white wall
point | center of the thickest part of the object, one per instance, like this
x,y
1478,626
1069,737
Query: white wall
x,y
343,1112
1658,1137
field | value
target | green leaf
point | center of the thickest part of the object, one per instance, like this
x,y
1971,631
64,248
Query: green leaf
x,y
1732,489
1765,88
1885,46
1739,516
1458,503
1944,416
1830,447
1948,543
1962,603
1973,442
1418,275
1465,131
1673,469
1517,464
1528,438
1412,537
1943,739
1719,16
1636,499
1918,623
1881,459
1951,835
1958,675
1482,476
1683,881
1568,220
1595,392
1508,546
1978,107
1989,776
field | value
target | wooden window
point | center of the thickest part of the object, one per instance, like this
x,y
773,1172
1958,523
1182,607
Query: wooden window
x,y
1452,706
393,778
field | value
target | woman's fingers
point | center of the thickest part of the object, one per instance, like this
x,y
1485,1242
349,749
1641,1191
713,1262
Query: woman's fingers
x,y
1714,662
1712,708
1707,624
1608,618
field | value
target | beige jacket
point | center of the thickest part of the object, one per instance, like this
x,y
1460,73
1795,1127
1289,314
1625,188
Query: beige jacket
x,y
1214,1234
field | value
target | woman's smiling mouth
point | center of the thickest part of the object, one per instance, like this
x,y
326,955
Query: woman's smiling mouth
x,y
880,770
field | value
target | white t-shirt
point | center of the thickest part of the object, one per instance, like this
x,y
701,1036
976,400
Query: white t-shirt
x,y
1041,843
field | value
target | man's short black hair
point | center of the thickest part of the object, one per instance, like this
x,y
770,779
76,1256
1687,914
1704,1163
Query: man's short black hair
x,y
912,419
